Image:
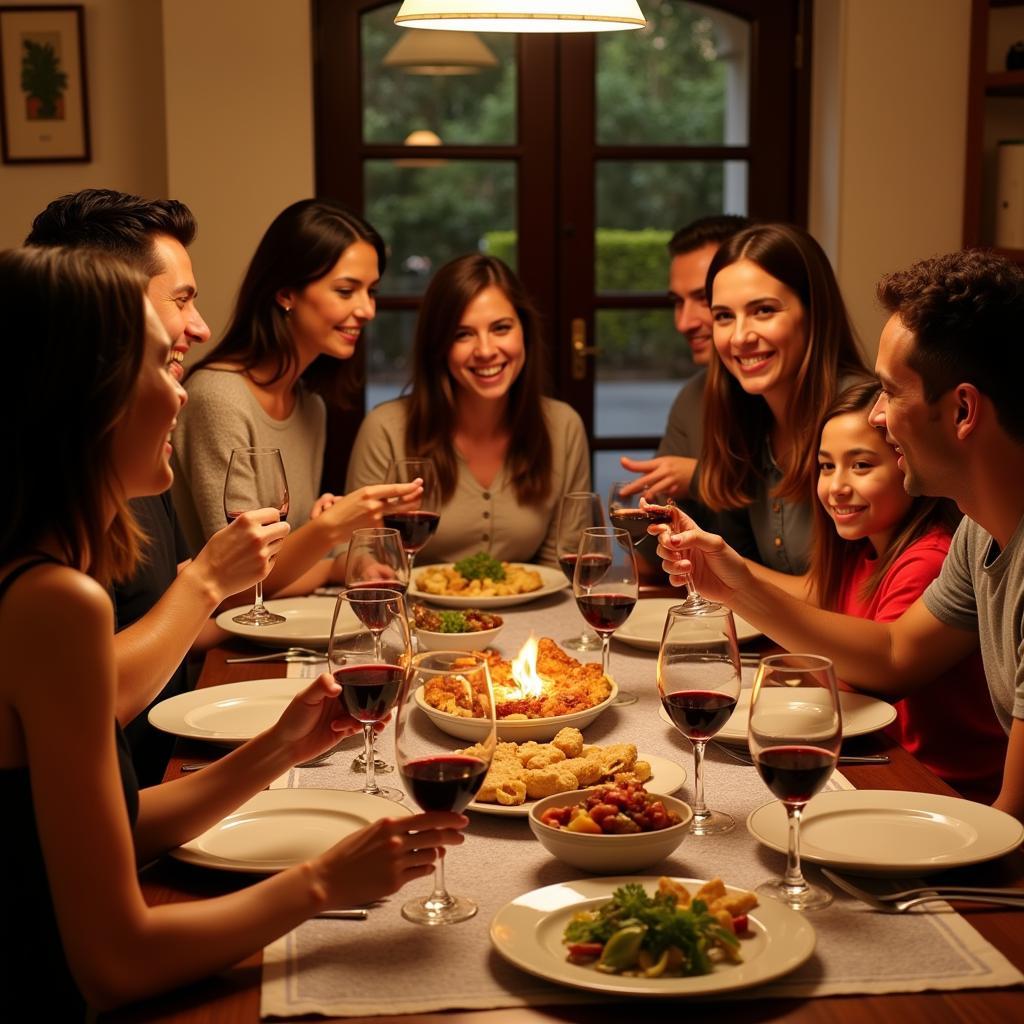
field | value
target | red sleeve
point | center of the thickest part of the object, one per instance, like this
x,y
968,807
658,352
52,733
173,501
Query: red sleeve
x,y
909,577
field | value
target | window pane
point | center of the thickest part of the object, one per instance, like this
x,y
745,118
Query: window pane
x,y
640,203
684,79
388,354
642,365
469,109
437,210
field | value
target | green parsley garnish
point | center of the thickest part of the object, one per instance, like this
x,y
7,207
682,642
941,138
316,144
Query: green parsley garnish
x,y
453,622
480,566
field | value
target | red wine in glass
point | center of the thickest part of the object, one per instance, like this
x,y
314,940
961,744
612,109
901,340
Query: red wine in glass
x,y
605,612
636,520
400,586
794,774
444,783
369,692
415,528
592,567
232,516
699,714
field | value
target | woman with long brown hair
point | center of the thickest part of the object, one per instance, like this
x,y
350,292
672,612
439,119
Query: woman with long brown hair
x,y
76,824
504,453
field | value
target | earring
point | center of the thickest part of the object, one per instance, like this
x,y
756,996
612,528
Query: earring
x,y
287,310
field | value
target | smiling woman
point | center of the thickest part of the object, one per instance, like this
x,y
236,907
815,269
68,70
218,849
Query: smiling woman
x,y
475,406
306,296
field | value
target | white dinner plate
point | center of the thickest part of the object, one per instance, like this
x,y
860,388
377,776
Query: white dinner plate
x,y
279,828
646,623
861,715
307,622
884,832
552,581
528,933
229,714
666,778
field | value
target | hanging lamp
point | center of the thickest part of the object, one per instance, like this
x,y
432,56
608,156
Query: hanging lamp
x,y
521,15
440,53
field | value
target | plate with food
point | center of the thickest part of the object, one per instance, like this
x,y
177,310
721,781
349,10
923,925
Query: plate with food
x,y
307,622
455,629
562,932
646,623
481,581
523,773
539,692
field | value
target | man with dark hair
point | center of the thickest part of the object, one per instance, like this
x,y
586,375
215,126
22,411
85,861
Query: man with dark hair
x,y
950,360
691,250
165,608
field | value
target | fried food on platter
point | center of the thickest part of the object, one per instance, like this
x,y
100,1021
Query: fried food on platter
x,y
569,687
446,581
522,771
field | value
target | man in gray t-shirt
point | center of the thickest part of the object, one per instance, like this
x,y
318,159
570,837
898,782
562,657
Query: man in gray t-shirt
x,y
951,363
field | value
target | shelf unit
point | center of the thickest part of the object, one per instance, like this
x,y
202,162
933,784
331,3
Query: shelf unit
x,y
995,110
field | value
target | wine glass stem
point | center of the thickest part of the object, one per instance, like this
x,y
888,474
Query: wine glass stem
x,y
378,645
257,605
370,785
794,877
700,809
606,656
411,555
439,897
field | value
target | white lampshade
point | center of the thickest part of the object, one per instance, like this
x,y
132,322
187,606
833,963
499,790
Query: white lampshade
x,y
440,53
421,137
521,15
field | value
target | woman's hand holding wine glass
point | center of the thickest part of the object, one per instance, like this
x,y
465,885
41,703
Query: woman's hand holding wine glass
x,y
795,733
255,479
369,656
437,778
699,682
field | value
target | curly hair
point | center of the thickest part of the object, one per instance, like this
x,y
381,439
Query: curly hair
x,y
115,222
81,311
966,311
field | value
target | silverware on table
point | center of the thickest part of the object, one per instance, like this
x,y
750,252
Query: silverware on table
x,y
344,915
741,756
299,654
898,902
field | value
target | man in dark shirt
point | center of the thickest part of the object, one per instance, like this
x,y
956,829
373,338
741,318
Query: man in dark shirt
x,y
164,610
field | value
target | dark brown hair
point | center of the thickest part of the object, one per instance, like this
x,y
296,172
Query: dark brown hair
x,y
74,329
302,244
833,557
736,423
431,422
713,230
966,311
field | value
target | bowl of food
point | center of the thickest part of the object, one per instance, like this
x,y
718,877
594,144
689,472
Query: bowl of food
x,y
538,693
610,829
456,629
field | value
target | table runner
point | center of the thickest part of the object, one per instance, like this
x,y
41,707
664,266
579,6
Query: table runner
x,y
389,966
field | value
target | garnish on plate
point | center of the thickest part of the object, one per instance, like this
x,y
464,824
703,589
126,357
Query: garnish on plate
x,y
469,620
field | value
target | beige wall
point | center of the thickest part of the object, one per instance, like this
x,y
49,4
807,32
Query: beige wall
x,y
124,78
888,136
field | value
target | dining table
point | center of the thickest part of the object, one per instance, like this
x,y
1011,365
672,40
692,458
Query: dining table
x,y
233,996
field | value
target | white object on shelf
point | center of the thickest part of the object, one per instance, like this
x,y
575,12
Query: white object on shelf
x,y
1010,194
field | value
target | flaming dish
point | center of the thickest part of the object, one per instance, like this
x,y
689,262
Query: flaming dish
x,y
539,692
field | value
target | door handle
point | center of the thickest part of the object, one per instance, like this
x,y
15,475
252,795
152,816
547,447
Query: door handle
x,y
580,349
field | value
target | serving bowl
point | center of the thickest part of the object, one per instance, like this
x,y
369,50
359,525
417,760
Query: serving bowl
x,y
428,640
475,729
604,854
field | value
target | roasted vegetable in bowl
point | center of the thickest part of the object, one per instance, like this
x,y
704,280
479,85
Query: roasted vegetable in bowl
x,y
469,620
615,810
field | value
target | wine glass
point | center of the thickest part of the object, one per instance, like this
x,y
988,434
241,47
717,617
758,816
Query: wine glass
x,y
369,656
795,732
606,586
699,682
580,510
627,514
436,778
416,527
376,560
255,479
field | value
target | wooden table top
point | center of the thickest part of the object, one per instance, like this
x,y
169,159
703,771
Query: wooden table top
x,y
233,997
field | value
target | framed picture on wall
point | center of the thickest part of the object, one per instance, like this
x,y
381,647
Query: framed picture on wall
x,y
43,102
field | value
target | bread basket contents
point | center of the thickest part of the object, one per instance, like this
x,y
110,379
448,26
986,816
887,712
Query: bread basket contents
x,y
670,934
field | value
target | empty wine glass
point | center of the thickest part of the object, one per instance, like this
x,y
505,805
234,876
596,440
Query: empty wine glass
x,y
255,479
436,778
699,682
606,585
369,656
579,511
626,512
416,527
795,733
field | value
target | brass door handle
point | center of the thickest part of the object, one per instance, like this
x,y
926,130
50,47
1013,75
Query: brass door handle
x,y
580,349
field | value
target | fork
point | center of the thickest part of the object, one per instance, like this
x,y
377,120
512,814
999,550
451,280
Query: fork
x,y
898,902
739,755
304,654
